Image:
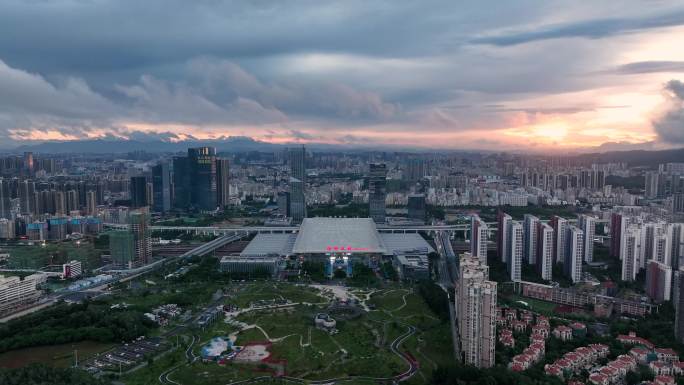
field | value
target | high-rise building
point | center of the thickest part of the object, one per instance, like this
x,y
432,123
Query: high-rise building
x,y
7,230
479,233
60,203
503,221
658,281
377,191
5,199
476,308
588,225
530,223
574,252
284,203
122,248
514,250
202,168
676,234
559,226
161,187
297,184
678,302
138,191
416,207
618,223
181,183
139,226
544,250
27,190
630,250
415,170
222,182
28,163
72,201
91,202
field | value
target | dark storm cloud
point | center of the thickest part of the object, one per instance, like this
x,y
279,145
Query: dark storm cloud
x,y
670,124
592,29
645,67
297,67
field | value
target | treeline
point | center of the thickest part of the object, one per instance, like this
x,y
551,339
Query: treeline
x,y
500,375
64,323
37,374
436,299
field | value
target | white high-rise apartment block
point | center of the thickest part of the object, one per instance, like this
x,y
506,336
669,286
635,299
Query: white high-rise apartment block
x,y
588,225
530,223
574,252
502,236
476,304
544,250
630,250
515,250
559,226
479,233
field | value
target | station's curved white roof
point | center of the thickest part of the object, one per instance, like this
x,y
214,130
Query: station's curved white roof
x,y
326,235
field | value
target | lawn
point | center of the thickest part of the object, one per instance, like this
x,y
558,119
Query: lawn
x,y
36,257
361,346
54,355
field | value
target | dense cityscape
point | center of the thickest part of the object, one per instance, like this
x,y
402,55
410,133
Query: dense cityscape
x,y
533,268
341,192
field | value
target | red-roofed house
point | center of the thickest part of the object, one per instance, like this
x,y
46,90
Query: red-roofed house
x,y
640,354
553,370
664,380
598,379
540,330
666,354
632,339
519,326
678,367
660,368
563,333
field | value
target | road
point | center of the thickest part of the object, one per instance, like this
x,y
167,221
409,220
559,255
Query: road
x,y
127,275
448,277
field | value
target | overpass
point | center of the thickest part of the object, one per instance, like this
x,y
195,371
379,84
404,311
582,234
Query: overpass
x,y
215,230
199,251
246,230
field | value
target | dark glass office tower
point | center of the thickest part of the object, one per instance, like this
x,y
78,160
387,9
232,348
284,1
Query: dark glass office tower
x,y
202,169
222,182
181,183
161,187
5,202
377,191
138,191
297,184
416,207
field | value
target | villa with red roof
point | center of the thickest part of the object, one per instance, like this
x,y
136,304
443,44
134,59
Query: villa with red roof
x,y
563,333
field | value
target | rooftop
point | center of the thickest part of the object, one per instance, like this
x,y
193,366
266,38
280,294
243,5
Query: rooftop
x,y
269,244
351,235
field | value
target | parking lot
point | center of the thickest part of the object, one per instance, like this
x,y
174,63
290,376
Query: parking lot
x,y
127,356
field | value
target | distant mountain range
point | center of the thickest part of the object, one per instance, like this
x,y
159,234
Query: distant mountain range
x,y
236,144
636,158
109,146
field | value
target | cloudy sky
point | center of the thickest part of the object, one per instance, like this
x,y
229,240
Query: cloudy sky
x,y
511,74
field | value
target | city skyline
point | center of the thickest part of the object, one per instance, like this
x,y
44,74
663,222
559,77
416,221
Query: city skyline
x,y
562,76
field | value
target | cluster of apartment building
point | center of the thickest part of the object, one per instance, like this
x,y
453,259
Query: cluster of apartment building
x,y
542,245
17,293
604,305
614,371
